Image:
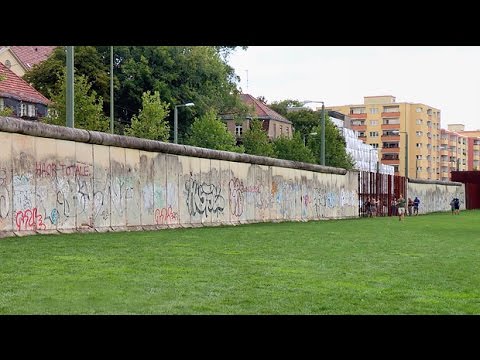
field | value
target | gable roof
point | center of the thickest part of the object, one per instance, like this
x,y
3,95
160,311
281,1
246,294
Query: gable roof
x,y
13,86
262,111
31,55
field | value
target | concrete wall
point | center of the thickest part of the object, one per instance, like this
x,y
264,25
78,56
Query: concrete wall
x,y
436,195
61,179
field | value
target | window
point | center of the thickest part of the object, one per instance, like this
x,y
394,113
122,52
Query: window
x,y
238,130
357,110
1,104
419,133
8,64
419,145
32,111
361,133
23,109
429,111
390,109
395,168
419,121
419,157
373,110
286,131
418,109
373,122
373,133
281,130
374,145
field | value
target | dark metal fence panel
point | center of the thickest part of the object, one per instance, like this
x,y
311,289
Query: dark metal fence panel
x,y
379,190
471,179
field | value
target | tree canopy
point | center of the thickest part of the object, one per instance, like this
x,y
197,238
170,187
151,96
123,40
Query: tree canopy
x,y
150,122
208,131
293,149
256,141
180,74
88,106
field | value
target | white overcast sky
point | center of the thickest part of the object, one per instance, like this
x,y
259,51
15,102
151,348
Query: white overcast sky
x,y
444,77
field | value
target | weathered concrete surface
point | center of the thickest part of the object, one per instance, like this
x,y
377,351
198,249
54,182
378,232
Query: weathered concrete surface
x,y
6,190
55,179
435,196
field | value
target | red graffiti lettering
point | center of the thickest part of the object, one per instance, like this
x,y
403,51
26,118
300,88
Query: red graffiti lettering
x,y
165,215
29,219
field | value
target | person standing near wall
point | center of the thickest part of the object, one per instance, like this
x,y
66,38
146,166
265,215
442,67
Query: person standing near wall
x,y
456,205
452,206
410,206
401,207
416,202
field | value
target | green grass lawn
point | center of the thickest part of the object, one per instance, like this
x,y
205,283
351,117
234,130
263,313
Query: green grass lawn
x,y
424,265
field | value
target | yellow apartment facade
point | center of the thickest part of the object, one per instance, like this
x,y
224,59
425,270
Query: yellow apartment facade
x,y
407,135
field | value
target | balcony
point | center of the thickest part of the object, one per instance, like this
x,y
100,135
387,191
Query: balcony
x,y
392,150
443,152
390,162
444,163
444,174
390,127
390,137
359,127
358,116
476,147
390,114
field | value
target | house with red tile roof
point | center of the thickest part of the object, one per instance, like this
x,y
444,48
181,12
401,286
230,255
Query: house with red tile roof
x,y
273,123
20,96
20,59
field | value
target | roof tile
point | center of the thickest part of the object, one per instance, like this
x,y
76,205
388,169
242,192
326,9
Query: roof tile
x,y
15,87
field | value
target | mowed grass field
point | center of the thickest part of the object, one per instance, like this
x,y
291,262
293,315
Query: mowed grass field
x,y
428,264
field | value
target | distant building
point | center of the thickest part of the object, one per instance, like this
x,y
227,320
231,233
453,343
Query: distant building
x,y
274,124
15,93
389,126
20,59
364,155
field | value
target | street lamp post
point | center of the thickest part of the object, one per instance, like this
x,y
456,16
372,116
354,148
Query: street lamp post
x,y
406,152
175,120
70,88
322,144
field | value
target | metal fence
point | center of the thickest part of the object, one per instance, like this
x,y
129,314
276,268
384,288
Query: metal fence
x,y
381,191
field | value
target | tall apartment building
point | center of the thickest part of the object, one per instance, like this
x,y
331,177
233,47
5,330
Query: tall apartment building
x,y
407,135
463,148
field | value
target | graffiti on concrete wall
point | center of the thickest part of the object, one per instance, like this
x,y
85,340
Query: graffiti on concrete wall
x,y
4,194
202,198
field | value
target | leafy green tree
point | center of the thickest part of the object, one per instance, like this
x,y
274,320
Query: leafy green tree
x,y
335,152
282,106
180,74
208,131
87,106
293,149
255,140
87,62
304,121
150,122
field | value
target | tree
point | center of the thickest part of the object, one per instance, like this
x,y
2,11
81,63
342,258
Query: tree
x,y
293,149
208,131
150,123
282,106
304,121
180,74
88,107
335,152
87,62
255,140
